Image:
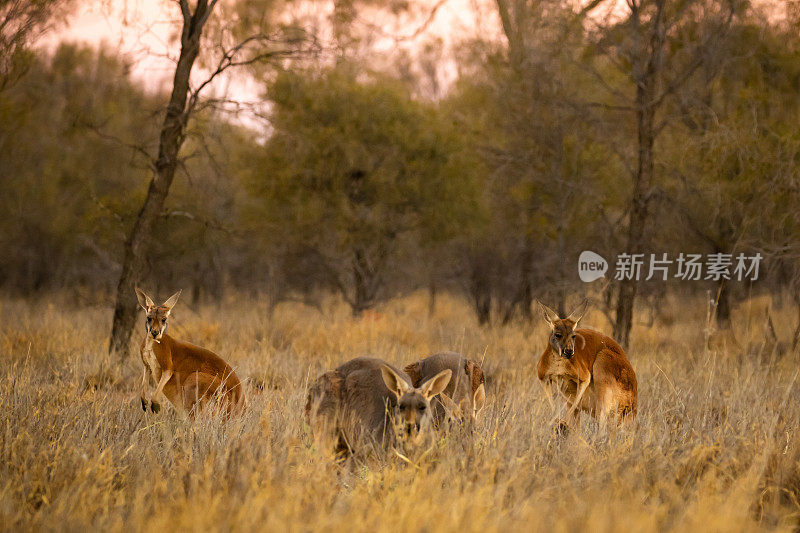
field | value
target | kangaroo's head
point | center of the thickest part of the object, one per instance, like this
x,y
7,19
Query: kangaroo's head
x,y
562,334
412,413
157,315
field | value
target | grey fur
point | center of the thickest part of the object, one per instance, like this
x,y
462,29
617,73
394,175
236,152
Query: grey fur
x,y
462,384
352,405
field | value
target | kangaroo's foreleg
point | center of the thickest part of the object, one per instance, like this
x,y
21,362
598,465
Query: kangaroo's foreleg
x,y
146,403
582,386
165,376
547,387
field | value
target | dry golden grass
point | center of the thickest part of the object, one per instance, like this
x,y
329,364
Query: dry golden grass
x,y
715,446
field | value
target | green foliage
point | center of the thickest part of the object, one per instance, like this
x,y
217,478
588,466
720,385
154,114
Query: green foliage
x,y
76,142
358,184
737,155
66,187
354,163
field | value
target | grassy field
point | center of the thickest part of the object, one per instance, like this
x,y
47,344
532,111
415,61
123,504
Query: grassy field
x,y
715,445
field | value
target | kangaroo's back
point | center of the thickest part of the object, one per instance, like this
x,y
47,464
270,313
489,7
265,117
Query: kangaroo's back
x,y
610,363
366,400
353,401
188,356
591,342
616,365
190,360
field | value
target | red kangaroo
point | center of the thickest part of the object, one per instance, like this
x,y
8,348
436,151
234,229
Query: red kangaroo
x,y
590,369
188,375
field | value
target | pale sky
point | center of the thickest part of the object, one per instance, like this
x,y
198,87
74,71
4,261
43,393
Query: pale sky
x,y
139,29
143,30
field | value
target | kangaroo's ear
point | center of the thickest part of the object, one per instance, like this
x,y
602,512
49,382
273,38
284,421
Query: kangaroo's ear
x,y
453,410
436,384
578,312
478,399
144,300
172,300
549,315
393,382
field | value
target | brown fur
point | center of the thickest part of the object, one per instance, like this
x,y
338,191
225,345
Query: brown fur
x,y
191,375
467,377
597,364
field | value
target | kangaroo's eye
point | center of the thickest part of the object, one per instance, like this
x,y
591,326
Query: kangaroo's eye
x,y
164,320
573,335
557,335
149,320
421,407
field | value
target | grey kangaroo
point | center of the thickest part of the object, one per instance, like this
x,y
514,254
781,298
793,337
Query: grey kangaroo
x,y
367,404
465,394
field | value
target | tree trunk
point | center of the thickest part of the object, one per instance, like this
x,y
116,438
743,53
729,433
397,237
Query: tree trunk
x,y
562,269
523,298
362,283
646,73
480,285
526,299
483,305
512,20
796,336
723,307
639,212
172,135
433,289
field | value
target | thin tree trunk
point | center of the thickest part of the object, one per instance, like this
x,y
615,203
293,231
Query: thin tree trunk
x,y
433,289
647,71
723,308
561,288
363,295
512,19
524,293
639,215
172,136
796,336
483,304
526,299
480,290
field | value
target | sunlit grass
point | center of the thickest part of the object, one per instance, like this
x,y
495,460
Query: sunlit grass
x,y
715,445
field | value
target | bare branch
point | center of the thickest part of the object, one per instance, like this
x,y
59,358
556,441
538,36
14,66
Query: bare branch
x,y
187,14
410,36
590,7
207,222
697,59
230,59
135,148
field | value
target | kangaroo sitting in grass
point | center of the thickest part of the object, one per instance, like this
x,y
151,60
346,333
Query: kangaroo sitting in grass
x,y
367,404
465,394
189,376
590,369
